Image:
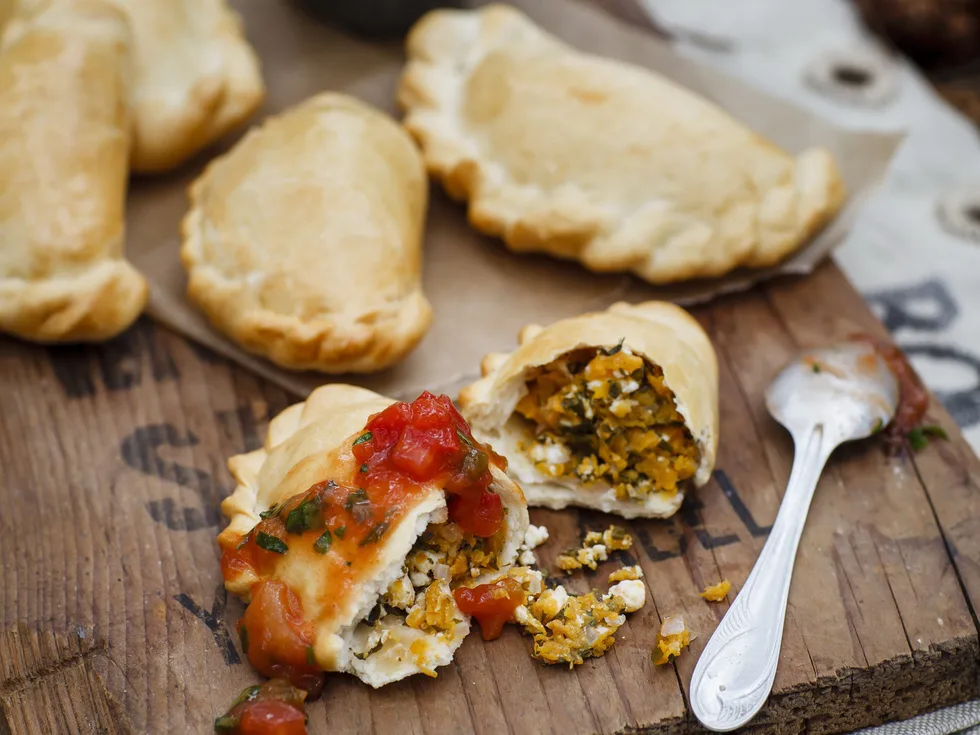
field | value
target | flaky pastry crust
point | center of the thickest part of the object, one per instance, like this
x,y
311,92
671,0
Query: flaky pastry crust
x,y
599,161
64,146
304,242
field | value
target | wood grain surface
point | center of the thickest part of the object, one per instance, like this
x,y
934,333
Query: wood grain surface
x,y
114,619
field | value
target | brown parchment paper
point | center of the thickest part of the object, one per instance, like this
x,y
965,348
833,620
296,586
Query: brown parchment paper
x,y
481,293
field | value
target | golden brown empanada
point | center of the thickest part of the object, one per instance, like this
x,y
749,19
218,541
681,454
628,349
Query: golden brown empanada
x,y
599,161
196,77
615,410
64,148
370,552
304,242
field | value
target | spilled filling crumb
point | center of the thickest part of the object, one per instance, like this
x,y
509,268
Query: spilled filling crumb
x,y
607,415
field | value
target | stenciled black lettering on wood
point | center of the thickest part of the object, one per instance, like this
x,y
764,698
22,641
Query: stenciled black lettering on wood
x,y
119,362
244,418
691,518
740,508
650,548
214,619
139,450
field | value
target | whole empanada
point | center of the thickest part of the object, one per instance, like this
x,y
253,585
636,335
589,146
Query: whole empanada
x,y
615,410
599,161
195,76
64,148
304,242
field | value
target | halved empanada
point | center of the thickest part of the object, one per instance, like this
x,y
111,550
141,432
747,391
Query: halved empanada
x,y
304,242
616,410
599,161
351,529
64,150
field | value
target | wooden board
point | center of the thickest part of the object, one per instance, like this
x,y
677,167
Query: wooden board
x,y
114,619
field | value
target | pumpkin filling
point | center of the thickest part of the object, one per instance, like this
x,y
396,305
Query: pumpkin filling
x,y
607,416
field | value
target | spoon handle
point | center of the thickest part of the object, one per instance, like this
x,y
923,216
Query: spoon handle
x,y
734,674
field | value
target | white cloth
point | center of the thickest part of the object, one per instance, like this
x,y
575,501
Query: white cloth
x,y
921,278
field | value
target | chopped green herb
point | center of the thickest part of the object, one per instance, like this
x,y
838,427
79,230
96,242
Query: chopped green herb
x,y
375,534
243,635
273,511
878,427
226,724
917,439
365,437
816,368
364,468
349,563
271,543
355,497
919,436
463,438
322,544
614,350
305,516
310,658
339,532
358,505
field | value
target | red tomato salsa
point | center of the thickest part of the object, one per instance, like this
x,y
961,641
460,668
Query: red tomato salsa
x,y
428,441
273,708
277,639
913,398
491,604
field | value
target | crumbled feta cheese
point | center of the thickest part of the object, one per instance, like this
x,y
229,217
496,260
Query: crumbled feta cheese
x,y
621,407
550,602
527,558
535,536
401,593
633,593
628,386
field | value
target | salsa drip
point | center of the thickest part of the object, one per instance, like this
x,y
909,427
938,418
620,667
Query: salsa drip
x,y
273,708
428,441
492,604
913,398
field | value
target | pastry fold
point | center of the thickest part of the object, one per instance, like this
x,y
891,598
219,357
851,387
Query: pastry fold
x,y
64,147
377,601
304,242
614,410
595,160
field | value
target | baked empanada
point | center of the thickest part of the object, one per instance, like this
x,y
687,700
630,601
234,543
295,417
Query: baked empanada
x,y
353,528
616,410
304,242
64,147
595,160
195,76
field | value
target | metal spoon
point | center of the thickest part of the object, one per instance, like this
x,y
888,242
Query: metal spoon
x,y
825,398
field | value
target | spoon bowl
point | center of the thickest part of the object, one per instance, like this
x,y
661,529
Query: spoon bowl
x,y
824,398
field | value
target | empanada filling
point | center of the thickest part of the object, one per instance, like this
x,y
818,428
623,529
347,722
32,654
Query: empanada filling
x,y
607,416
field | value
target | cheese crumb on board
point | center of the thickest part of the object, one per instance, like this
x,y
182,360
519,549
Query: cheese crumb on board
x,y
717,592
674,636
633,572
595,548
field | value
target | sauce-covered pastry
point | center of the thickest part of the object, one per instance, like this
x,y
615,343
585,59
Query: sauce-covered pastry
x,y
594,160
64,147
616,410
353,528
304,243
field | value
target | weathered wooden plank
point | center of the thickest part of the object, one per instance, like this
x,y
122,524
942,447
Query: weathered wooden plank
x,y
114,458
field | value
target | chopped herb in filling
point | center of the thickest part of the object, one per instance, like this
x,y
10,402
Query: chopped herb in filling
x,y
608,416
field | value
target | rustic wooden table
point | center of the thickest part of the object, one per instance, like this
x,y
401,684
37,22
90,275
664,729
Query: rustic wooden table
x,y
114,619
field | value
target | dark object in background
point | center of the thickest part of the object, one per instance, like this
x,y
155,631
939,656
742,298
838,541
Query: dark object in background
x,y
375,18
935,34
